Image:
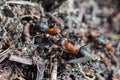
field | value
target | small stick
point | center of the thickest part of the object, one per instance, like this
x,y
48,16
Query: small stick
x,y
40,66
19,59
41,9
34,15
54,71
26,32
3,19
80,14
3,58
4,54
22,16
57,20
40,72
20,2
5,32
99,76
80,69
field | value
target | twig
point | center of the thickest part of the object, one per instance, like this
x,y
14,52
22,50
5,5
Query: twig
x,y
40,72
5,32
3,58
26,32
42,9
5,52
54,71
80,69
40,67
19,59
99,76
57,20
25,16
20,2
80,15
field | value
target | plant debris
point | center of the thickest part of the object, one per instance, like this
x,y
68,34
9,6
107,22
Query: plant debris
x,y
59,40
